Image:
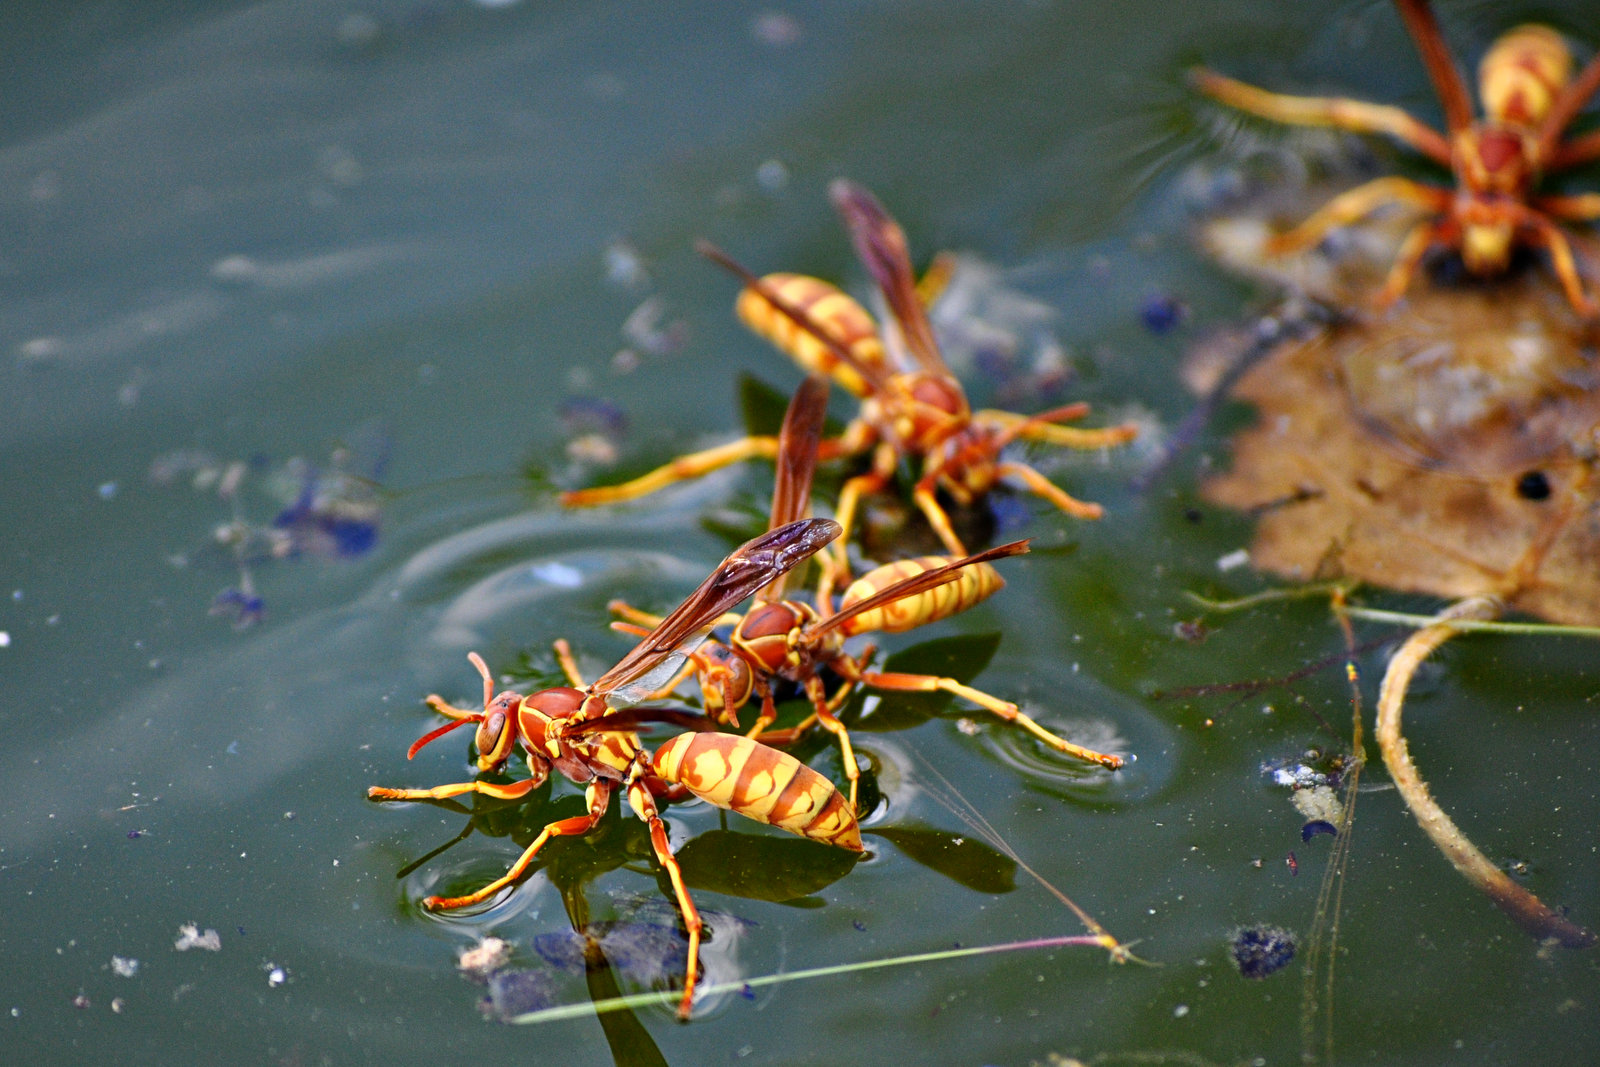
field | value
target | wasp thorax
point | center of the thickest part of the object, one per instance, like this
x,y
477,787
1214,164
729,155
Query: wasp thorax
x,y
765,620
937,391
557,702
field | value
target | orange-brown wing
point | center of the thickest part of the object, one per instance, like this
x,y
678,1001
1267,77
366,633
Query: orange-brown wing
x,y
797,462
881,244
917,583
750,566
873,375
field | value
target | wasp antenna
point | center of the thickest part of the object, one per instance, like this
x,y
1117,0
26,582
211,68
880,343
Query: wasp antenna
x,y
488,679
435,734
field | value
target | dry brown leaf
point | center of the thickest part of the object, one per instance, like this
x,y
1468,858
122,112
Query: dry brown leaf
x,y
1444,447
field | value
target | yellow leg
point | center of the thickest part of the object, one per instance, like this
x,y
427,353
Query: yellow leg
x,y
1564,264
1052,434
836,557
1412,249
1580,208
1357,204
1039,485
644,806
926,498
599,796
694,465
829,722
927,683
1576,150
569,666
623,610
511,791
450,711
1342,113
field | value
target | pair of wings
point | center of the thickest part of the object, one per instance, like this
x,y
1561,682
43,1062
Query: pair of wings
x,y
880,244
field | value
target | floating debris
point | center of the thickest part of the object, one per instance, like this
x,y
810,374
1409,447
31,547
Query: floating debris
x,y
124,966
330,511
189,936
483,959
1318,826
1262,950
517,992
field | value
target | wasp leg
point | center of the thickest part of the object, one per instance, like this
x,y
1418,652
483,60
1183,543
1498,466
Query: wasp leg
x,y
1358,116
823,716
835,558
1563,263
598,795
927,683
788,736
924,494
509,791
1039,485
769,709
1583,149
1357,204
1580,208
681,469
1034,428
644,806
569,666
1417,241
627,612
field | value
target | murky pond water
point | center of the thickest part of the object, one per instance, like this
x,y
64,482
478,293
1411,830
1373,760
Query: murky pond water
x,y
435,242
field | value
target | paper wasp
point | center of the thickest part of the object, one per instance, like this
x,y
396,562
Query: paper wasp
x,y
792,640
1529,98
578,732
912,406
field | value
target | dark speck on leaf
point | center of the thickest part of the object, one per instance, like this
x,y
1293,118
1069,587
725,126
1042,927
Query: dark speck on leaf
x,y
1262,950
1317,826
1534,485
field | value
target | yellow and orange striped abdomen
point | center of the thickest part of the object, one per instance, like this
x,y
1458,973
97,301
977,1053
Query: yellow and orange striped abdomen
x,y
1521,75
846,321
974,584
760,783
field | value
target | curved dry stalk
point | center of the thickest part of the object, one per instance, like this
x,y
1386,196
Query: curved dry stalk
x,y
1525,909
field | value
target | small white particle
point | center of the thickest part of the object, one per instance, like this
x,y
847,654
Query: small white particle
x,y
1233,560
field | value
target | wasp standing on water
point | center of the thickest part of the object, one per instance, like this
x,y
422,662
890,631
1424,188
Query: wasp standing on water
x,y
578,732
912,406
795,641
1529,97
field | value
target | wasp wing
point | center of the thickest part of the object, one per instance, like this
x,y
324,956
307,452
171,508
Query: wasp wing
x,y
881,245
917,583
750,566
798,441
